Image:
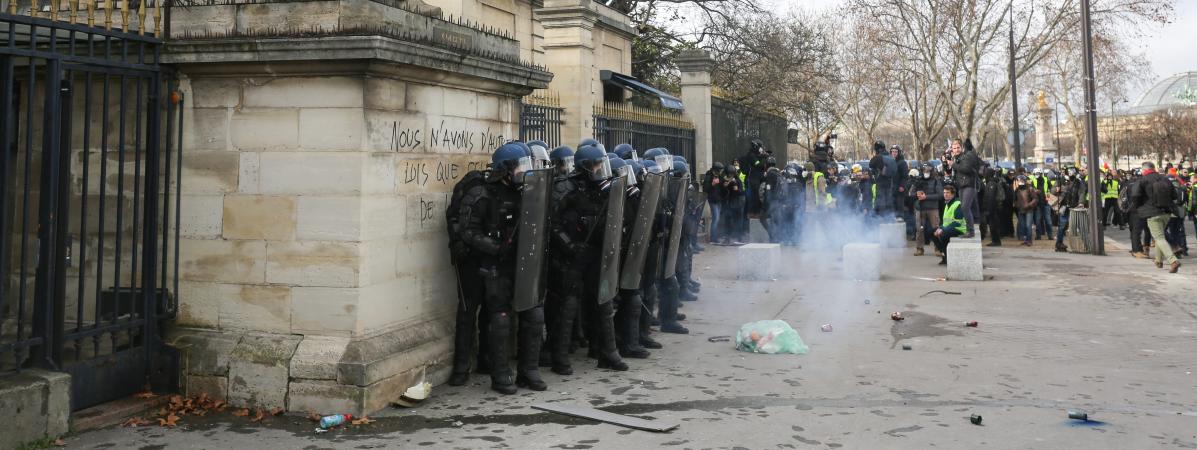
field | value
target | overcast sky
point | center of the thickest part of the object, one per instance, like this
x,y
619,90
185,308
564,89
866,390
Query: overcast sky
x,y
1169,49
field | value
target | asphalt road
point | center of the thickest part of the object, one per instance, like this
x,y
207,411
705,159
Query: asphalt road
x,y
1112,336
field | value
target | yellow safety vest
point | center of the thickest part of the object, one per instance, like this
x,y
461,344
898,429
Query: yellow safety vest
x,y
949,218
1111,190
826,197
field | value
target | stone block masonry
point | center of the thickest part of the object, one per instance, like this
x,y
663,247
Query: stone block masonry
x,y
314,268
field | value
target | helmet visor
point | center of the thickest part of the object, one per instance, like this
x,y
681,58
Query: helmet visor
x,y
665,161
629,173
540,157
567,164
603,171
522,168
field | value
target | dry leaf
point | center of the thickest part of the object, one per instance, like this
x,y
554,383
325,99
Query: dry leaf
x,y
276,411
169,421
146,394
258,416
313,417
241,412
363,421
59,443
135,422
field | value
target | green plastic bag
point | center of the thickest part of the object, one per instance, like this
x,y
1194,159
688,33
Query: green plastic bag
x,y
770,336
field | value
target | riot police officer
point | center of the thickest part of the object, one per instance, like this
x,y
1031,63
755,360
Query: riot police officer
x,y
489,220
580,222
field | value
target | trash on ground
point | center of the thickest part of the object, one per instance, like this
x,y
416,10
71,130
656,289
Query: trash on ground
x,y
719,339
939,292
604,416
321,430
896,316
327,422
826,328
975,419
1078,415
770,337
906,347
414,395
971,324
458,424
866,301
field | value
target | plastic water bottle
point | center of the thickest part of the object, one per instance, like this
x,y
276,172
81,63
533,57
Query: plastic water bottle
x,y
334,420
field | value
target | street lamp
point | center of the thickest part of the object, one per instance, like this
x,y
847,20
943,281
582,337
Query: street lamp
x,y
1096,235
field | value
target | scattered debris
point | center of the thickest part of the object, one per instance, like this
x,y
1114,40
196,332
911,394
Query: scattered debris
x,y
145,395
896,316
321,430
335,420
971,324
866,301
719,339
826,328
363,421
135,422
1078,415
975,419
414,395
604,416
770,337
58,443
458,424
939,292
168,421
906,347
243,412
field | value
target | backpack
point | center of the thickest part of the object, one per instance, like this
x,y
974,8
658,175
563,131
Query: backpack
x,y
1162,194
471,179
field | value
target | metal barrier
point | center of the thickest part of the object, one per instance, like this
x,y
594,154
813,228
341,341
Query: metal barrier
x,y
540,118
1079,231
90,133
617,123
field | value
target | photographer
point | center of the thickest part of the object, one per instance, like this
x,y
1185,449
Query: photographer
x,y
713,185
927,192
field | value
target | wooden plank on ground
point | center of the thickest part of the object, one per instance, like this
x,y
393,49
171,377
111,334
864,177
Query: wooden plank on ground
x,y
604,416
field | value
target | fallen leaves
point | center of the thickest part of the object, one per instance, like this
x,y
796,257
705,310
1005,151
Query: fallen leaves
x,y
178,406
59,443
144,395
362,421
168,421
258,416
243,412
135,422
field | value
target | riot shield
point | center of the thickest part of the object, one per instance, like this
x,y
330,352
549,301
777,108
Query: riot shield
x,y
532,240
612,235
642,229
677,190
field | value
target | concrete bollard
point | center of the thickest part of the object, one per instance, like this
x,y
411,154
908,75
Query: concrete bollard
x,y
756,231
759,261
862,261
892,235
964,261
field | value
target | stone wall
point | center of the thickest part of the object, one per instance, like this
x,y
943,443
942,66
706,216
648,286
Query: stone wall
x,y
314,268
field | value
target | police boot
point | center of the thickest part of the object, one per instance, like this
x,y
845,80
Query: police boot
x,y
669,302
501,378
608,353
528,356
627,325
562,333
463,345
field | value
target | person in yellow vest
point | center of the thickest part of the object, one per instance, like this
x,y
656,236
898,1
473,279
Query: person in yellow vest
x,y
820,198
953,223
1109,200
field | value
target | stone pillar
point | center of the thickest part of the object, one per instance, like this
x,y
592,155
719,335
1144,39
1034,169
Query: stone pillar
x,y
569,54
314,270
1045,131
695,66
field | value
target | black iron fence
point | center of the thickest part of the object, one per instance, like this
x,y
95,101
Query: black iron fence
x,y
540,118
618,123
90,128
734,126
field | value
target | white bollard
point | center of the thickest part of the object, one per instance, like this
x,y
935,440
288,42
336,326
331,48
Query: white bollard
x,y
759,261
862,261
892,235
964,261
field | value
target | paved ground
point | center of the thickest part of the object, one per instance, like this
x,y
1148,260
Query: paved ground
x,y
1113,336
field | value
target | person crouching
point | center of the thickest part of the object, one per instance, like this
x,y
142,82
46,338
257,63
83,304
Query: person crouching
x,y
953,223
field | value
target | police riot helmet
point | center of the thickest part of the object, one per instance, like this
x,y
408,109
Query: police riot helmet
x,y
626,151
879,147
650,166
589,141
680,168
511,158
717,166
540,154
624,169
593,160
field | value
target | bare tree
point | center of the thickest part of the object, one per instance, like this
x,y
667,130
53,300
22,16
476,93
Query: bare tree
x,y
865,93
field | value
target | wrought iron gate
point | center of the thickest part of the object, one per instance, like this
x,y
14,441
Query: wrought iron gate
x,y
90,128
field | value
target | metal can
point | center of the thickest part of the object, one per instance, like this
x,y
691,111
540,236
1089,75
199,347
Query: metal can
x,y
972,324
1078,415
975,419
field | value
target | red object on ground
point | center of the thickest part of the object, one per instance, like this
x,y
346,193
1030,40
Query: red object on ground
x,y
971,324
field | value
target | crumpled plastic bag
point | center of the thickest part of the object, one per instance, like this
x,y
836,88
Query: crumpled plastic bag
x,y
771,337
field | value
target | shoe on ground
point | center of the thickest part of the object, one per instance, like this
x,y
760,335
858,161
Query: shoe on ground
x,y
994,244
532,382
612,363
1139,255
562,370
943,262
939,253
650,343
459,378
634,354
681,316
674,327
1159,264
919,252
505,389
1175,267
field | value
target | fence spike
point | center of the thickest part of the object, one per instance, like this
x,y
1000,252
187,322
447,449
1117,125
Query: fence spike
x,y
158,19
125,15
108,15
74,7
141,17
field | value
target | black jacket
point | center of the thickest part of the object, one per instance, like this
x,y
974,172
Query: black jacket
x,y
1151,202
933,187
965,170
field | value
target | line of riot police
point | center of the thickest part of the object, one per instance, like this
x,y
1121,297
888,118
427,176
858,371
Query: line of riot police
x,y
568,249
